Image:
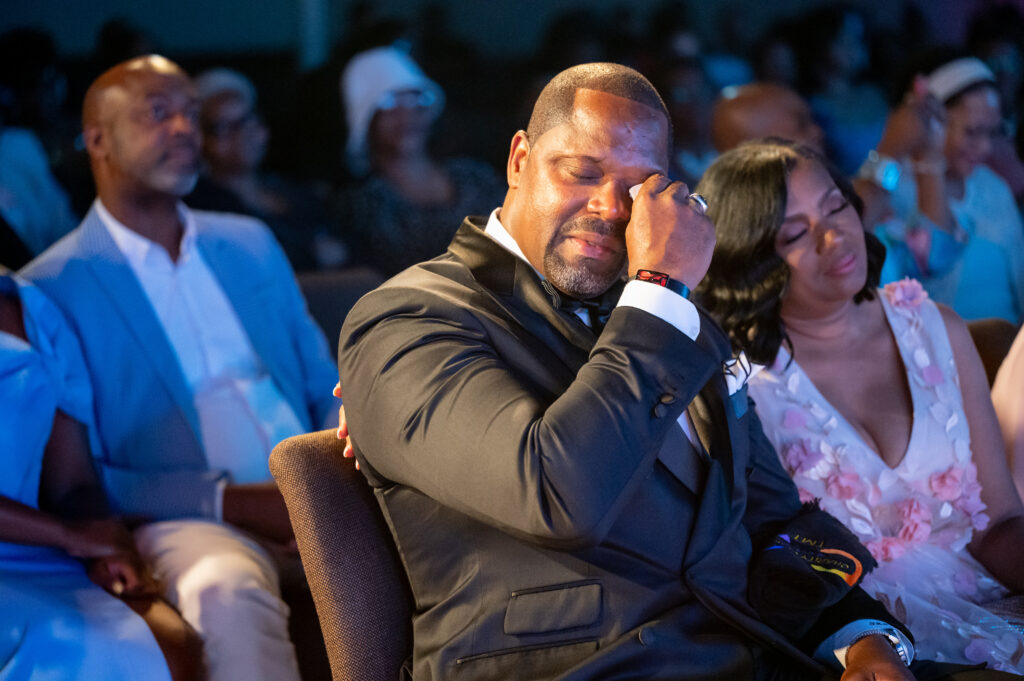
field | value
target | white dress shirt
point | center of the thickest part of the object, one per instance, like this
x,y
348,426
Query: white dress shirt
x,y
242,414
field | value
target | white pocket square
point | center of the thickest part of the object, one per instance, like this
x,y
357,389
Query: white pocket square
x,y
738,371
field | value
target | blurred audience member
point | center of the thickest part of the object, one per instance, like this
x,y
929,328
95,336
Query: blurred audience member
x,y
234,145
1008,398
33,86
70,575
404,205
833,55
202,358
33,206
946,217
765,109
34,209
996,36
876,400
689,96
891,44
119,40
775,59
721,56
574,36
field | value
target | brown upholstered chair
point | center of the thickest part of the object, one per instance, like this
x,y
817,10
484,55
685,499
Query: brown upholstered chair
x,y
359,587
993,338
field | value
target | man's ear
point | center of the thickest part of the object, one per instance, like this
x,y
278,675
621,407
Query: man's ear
x,y
95,139
518,156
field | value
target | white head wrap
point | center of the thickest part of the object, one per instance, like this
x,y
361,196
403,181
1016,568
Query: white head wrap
x,y
368,78
956,76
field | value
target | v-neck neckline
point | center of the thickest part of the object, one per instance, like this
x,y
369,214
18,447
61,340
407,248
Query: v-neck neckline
x,y
915,428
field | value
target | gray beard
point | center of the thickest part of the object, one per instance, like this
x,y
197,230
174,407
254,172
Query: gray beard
x,y
577,280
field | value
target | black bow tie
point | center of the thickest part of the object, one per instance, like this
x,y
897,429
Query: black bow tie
x,y
598,309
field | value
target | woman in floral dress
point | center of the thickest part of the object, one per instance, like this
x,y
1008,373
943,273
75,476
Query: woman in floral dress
x,y
876,401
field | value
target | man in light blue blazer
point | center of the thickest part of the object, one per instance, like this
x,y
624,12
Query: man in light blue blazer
x,y
202,355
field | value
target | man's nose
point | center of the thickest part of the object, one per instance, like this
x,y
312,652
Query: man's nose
x,y
183,123
610,202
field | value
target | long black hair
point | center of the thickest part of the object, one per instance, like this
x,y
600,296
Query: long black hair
x,y
746,190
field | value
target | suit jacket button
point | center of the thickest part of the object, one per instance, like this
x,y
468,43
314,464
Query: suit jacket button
x,y
659,411
646,636
667,398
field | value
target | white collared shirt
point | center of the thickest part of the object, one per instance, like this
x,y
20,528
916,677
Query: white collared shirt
x,y
242,414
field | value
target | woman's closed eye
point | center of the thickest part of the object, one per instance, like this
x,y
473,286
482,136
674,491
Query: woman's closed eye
x,y
792,236
838,206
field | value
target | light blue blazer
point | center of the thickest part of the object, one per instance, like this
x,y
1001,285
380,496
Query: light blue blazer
x,y
147,437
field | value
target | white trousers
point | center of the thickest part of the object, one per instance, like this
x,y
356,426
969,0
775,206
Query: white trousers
x,y
226,586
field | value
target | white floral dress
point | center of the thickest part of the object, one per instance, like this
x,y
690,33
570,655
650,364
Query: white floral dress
x,y
916,518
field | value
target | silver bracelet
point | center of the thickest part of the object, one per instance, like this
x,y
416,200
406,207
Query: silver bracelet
x,y
936,167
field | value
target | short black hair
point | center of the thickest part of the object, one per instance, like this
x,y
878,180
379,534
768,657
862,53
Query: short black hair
x,y
746,192
554,105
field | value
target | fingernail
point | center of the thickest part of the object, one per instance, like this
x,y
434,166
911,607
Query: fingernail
x,y
633,191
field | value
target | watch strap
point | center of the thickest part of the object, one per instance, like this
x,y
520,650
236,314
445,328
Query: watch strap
x,y
662,279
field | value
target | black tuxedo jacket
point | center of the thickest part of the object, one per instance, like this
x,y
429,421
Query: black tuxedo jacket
x,y
553,518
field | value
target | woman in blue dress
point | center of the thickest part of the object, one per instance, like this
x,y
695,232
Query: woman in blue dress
x,y
70,578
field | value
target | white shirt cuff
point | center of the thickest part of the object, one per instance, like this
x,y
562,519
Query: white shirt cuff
x,y
835,646
664,304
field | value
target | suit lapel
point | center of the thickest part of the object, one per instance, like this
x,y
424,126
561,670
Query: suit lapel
x,y
709,411
116,279
528,288
518,288
683,460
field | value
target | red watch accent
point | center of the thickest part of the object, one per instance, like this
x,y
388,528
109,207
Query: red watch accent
x,y
662,279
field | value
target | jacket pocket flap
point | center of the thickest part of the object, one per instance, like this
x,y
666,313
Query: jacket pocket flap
x,y
553,608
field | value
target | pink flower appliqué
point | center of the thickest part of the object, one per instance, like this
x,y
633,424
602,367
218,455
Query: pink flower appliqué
x,y
800,456
793,419
912,510
965,582
979,521
906,293
886,549
947,485
932,375
805,496
979,650
844,485
917,521
914,532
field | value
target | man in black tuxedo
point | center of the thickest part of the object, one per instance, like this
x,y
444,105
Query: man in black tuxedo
x,y
575,499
